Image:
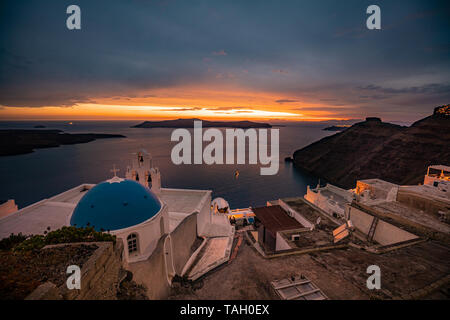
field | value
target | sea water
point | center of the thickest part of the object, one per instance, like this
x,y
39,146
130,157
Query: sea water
x,y
46,172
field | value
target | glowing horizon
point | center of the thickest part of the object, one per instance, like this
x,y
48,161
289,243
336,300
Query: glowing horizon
x,y
137,112
183,102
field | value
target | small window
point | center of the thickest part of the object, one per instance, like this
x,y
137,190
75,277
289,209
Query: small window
x,y
132,241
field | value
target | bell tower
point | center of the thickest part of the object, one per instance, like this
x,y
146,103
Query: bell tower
x,y
142,171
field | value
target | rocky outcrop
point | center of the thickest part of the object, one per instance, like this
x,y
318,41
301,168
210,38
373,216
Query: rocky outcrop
x,y
375,149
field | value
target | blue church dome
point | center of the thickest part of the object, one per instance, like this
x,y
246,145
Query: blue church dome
x,y
115,205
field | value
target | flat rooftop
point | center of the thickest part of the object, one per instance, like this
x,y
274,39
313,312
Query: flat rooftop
x,y
36,218
332,196
275,219
395,208
428,191
340,274
300,205
183,200
182,203
378,183
440,167
308,239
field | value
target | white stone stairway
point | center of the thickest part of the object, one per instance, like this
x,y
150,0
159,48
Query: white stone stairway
x,y
211,254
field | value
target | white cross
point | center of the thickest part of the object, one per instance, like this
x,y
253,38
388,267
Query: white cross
x,y
114,170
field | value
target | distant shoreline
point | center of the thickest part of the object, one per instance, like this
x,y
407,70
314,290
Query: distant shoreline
x,y
336,128
189,123
23,141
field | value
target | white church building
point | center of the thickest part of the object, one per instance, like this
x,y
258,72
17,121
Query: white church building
x,y
155,224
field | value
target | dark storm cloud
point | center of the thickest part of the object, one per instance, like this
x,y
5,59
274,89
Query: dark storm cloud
x,y
315,50
281,101
432,88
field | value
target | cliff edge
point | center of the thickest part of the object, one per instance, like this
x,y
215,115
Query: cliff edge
x,y
376,149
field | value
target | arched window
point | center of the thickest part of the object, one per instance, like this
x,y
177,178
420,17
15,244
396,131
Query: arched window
x,y
132,241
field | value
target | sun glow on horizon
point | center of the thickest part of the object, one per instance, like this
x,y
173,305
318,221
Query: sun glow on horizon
x,y
230,112
181,102
146,112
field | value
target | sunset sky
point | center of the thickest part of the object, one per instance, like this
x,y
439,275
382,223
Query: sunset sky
x,y
252,59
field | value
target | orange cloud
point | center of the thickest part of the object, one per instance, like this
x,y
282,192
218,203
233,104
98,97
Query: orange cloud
x,y
181,102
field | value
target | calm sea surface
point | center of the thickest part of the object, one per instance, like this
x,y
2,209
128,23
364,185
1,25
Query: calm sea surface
x,y
47,172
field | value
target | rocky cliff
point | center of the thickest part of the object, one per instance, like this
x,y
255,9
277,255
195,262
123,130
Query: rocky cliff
x,y
375,149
